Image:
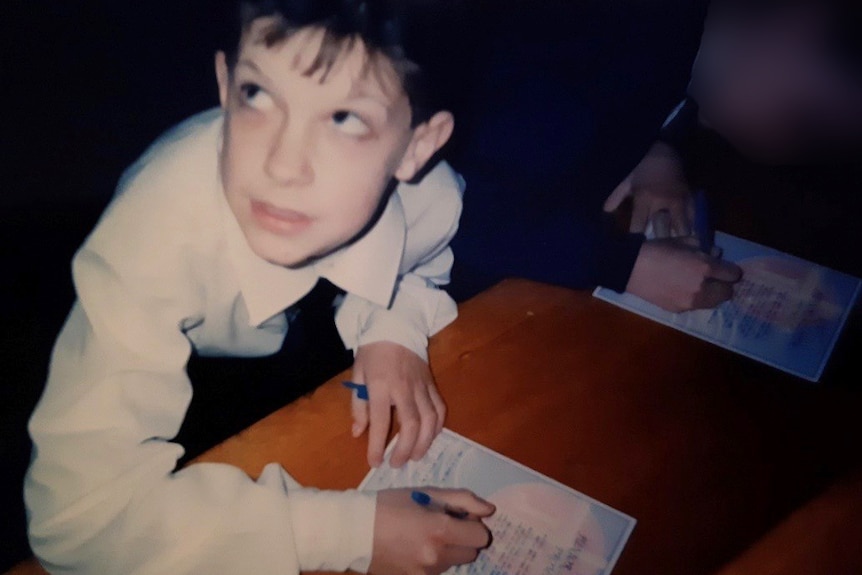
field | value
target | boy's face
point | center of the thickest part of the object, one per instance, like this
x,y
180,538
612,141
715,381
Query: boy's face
x,y
306,160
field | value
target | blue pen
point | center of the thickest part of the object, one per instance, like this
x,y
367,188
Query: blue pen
x,y
431,504
703,222
361,390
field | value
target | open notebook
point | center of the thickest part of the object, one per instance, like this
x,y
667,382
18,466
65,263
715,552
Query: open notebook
x,y
785,312
540,526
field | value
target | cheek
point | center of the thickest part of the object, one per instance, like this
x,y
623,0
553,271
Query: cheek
x,y
357,195
358,203
358,174
238,155
228,156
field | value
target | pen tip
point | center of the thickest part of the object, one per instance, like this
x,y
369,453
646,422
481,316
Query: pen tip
x,y
420,498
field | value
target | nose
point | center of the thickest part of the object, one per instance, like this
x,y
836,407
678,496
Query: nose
x,y
287,160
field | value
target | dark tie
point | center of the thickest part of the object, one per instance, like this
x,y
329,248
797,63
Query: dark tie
x,y
231,393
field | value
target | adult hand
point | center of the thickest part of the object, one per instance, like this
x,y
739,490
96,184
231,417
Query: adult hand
x,y
673,274
657,185
410,539
396,378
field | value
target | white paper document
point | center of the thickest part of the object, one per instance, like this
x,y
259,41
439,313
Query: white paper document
x,y
785,312
541,527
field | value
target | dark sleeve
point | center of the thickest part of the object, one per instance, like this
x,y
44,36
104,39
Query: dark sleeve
x,y
617,250
680,126
507,234
617,253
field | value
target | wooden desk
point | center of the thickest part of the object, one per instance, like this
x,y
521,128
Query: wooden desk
x,y
707,449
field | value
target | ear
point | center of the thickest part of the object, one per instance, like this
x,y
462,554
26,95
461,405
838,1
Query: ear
x,y
222,77
428,137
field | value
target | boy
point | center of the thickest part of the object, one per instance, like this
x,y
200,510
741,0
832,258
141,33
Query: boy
x,y
223,224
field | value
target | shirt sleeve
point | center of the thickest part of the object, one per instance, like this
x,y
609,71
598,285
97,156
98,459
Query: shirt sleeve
x,y
102,492
419,307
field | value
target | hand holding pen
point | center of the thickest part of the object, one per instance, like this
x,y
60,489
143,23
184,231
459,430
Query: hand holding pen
x,y
423,499
683,273
428,530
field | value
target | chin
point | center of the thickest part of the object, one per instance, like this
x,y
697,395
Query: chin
x,y
293,259
292,263
278,254
295,252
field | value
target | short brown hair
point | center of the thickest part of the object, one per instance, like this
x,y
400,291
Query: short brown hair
x,y
393,29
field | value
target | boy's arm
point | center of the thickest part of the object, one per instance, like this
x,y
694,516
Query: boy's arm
x,y
419,307
391,344
102,493
104,498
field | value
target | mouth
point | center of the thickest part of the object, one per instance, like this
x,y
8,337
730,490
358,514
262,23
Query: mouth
x,y
281,221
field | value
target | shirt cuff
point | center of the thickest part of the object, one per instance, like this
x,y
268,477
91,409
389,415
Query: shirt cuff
x,y
417,313
390,327
333,530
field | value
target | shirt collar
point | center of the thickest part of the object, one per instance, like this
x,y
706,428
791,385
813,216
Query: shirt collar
x,y
367,268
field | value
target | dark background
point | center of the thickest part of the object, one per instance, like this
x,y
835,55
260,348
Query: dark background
x,y
88,85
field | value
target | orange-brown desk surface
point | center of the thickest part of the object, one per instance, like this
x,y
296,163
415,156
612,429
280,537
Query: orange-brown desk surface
x,y
727,465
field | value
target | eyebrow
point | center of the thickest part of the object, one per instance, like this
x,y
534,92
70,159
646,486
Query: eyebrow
x,y
358,91
250,64
373,85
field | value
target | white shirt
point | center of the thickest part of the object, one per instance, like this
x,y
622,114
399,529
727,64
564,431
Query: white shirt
x,y
167,269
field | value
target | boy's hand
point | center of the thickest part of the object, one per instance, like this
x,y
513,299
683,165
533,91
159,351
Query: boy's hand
x,y
674,275
656,185
411,539
396,377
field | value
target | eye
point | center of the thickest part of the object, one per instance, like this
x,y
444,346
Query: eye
x,y
349,123
254,96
